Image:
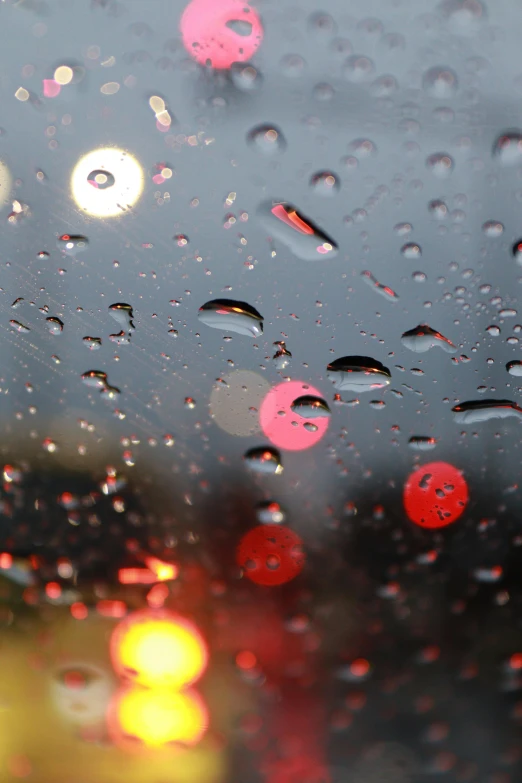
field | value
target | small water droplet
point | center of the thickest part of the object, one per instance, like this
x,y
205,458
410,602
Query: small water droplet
x,y
440,82
282,356
493,229
232,316
358,68
93,343
264,459
270,512
246,77
325,183
190,403
363,148
422,443
517,251
493,330
411,250
507,149
310,407
284,223
438,209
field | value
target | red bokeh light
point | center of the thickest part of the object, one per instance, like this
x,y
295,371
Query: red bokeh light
x,y
284,428
219,34
271,555
435,495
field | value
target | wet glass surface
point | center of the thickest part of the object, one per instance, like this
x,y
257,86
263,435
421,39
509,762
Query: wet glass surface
x,y
259,401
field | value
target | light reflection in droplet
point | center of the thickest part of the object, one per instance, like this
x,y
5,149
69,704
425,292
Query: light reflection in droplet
x,y
121,167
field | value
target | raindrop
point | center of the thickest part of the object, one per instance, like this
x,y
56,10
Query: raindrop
x,y
463,15
517,251
264,459
293,65
17,302
358,68
240,27
19,327
309,427
245,77
282,356
270,512
403,229
122,313
181,240
325,183
514,368
54,325
507,149
323,91
411,250
70,244
440,82
100,179
438,209
440,164
380,288
477,411
189,403
121,338
363,148
493,330
493,229
93,343
423,337
310,407
422,443
266,139
321,25
232,316
96,379
284,223
358,373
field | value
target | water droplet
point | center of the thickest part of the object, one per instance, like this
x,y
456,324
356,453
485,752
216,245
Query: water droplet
x,y
363,148
96,379
463,15
403,229
293,65
190,403
323,92
358,68
440,164
122,313
493,330
232,316
507,149
121,338
358,373
246,77
411,250
19,327
169,440
422,443
325,183
93,343
493,229
517,251
284,223
423,337
70,244
54,325
181,240
266,139
514,368
100,179
240,27
440,82
264,459
310,407
476,411
419,277
380,288
282,356
310,427
321,25
270,512
438,209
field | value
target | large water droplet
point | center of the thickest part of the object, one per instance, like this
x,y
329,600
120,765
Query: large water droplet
x,y
507,149
54,325
440,164
514,368
93,343
325,183
380,288
440,82
477,411
70,244
422,443
423,337
411,250
19,327
122,313
266,139
264,459
310,407
358,373
284,223
232,316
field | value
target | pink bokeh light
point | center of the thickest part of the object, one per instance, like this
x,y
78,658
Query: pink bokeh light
x,y
284,428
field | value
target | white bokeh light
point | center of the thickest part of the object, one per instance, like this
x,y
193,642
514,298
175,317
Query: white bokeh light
x,y
113,199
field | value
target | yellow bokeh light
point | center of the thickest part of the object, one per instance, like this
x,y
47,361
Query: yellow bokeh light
x,y
158,717
63,75
126,180
158,650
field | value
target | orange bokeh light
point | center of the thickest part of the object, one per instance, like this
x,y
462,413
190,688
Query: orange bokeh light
x,y
156,717
158,649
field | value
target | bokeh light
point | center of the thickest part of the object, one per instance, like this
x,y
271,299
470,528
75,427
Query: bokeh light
x,y
6,183
271,555
114,195
235,404
435,495
156,717
284,428
220,34
158,649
